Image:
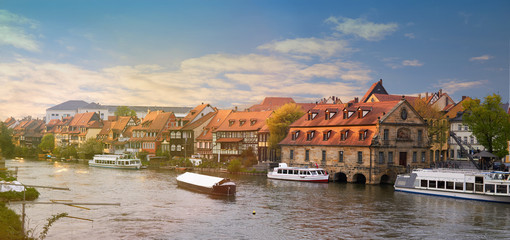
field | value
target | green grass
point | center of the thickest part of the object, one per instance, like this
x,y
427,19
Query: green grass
x,y
10,224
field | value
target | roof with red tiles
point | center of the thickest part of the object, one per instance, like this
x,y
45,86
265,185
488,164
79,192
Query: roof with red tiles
x,y
388,97
452,112
84,119
244,121
216,121
271,104
372,110
333,136
107,125
375,88
199,122
193,113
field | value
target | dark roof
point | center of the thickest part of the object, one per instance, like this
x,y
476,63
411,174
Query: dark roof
x,y
69,105
375,88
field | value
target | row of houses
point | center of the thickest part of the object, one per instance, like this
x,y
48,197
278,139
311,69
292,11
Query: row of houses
x,y
372,139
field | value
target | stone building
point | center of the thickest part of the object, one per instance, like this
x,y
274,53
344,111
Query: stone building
x,y
368,142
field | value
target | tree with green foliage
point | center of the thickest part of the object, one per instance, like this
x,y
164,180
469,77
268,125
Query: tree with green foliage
x,y
6,145
47,143
90,148
279,124
125,111
489,123
234,165
248,157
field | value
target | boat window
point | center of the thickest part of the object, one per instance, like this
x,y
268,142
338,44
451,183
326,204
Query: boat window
x,y
479,179
284,171
308,173
423,183
432,184
459,186
469,186
440,184
296,172
314,172
279,171
291,171
501,189
449,185
489,188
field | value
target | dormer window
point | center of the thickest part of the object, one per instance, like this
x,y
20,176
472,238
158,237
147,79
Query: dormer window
x,y
310,135
312,114
242,122
253,121
345,112
328,114
295,134
363,134
344,134
326,135
231,122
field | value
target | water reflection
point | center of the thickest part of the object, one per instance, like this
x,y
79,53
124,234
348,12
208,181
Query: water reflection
x,y
153,207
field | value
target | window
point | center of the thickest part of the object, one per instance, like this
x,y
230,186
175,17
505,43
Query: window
x,y
323,155
360,157
310,135
415,157
291,154
471,140
345,113
307,155
459,127
253,121
340,156
231,122
295,135
173,148
178,135
242,122
390,157
420,134
381,157
326,135
422,157
344,134
179,148
386,134
363,135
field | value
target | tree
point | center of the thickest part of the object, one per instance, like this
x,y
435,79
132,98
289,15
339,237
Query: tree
x,y
489,123
279,123
125,111
90,148
438,126
47,143
6,145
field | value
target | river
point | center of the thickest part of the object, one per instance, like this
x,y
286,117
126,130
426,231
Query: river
x,y
153,207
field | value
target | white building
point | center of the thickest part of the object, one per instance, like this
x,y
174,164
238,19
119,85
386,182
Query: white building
x,y
465,135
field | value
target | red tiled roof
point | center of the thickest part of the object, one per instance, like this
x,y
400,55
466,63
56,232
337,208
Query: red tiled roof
x,y
197,123
193,113
255,121
271,104
215,122
376,109
388,97
334,138
377,87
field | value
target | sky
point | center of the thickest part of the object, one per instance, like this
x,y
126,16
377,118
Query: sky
x,y
235,53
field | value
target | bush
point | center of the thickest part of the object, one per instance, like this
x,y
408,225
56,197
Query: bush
x,y
234,166
30,195
10,224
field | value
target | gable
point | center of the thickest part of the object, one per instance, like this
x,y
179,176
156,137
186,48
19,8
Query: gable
x,y
402,113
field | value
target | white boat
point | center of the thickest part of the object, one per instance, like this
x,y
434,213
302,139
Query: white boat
x,y
283,172
206,184
464,184
115,161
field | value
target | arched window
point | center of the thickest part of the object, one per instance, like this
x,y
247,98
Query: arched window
x,y
178,135
179,148
173,148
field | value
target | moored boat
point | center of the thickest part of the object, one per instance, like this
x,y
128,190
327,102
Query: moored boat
x,y
283,172
206,184
463,184
115,161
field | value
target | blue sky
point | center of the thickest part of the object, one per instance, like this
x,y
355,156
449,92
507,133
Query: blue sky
x,y
183,53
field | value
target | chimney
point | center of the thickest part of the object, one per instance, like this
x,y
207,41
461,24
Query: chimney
x,y
426,95
356,100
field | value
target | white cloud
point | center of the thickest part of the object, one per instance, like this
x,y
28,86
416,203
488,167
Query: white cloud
x,y
362,28
410,35
31,86
481,58
412,63
308,46
12,31
453,85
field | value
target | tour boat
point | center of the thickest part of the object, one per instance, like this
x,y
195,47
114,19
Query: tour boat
x,y
206,184
464,184
115,161
283,172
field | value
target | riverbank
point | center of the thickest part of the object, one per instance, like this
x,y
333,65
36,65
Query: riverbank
x,y
215,170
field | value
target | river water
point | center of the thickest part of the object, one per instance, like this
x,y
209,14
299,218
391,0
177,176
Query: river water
x,y
153,207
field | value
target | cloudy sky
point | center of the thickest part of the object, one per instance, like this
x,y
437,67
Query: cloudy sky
x,y
183,53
